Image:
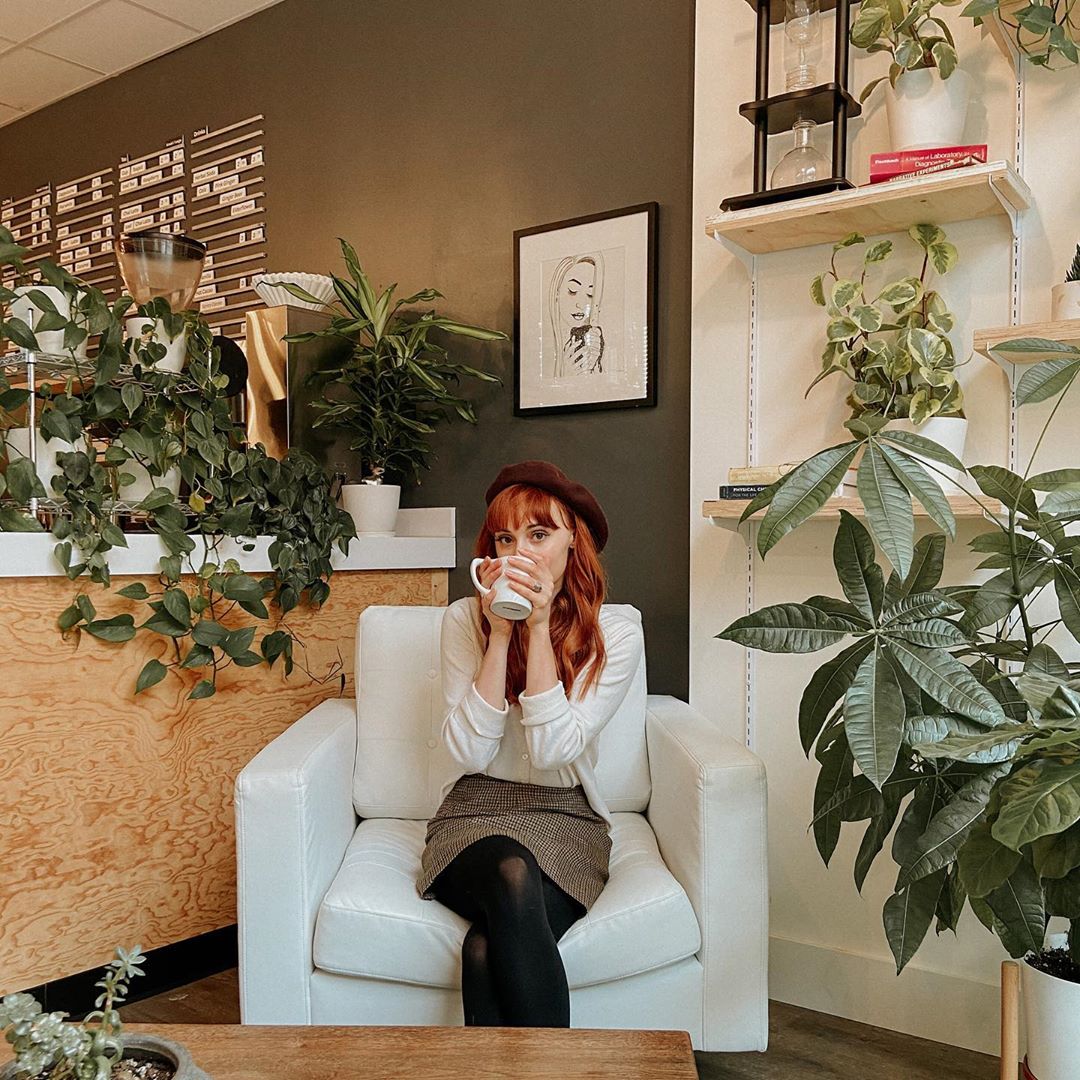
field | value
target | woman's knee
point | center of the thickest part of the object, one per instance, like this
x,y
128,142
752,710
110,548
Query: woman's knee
x,y
474,950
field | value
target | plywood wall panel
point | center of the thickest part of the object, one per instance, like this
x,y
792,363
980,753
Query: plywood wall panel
x,y
116,816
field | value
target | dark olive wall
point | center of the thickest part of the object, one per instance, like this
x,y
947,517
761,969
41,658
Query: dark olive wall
x,y
426,132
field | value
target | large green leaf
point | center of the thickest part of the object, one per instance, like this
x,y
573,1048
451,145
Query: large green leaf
x,y
934,728
1040,799
1044,380
922,446
927,563
1055,478
826,688
995,599
949,827
947,682
804,492
1019,916
1067,588
1062,502
1057,855
1003,484
888,508
787,628
983,747
859,574
984,863
907,915
873,840
923,487
874,717
837,766
931,633
914,607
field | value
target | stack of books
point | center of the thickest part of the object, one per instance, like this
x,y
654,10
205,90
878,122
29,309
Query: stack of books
x,y
750,481
893,165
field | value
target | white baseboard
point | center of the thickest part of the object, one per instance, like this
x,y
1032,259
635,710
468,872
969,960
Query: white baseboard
x,y
929,1004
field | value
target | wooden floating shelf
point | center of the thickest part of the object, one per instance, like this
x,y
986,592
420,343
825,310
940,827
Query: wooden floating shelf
x,y
726,512
975,191
1067,332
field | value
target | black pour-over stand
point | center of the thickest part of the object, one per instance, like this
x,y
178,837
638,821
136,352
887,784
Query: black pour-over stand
x,y
828,103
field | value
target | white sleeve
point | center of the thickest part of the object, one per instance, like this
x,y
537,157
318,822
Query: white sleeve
x,y
472,729
557,730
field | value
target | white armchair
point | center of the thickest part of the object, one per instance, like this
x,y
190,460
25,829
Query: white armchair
x,y
330,824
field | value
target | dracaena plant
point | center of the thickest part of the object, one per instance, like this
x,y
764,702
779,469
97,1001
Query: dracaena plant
x,y
1044,30
947,710
891,338
912,32
120,413
398,383
45,1045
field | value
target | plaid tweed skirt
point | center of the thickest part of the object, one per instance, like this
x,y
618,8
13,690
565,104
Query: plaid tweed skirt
x,y
568,838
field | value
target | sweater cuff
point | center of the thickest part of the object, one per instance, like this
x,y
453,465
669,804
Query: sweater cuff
x,y
487,720
544,707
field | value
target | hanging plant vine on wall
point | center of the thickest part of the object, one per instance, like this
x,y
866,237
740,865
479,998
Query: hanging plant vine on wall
x,y
1044,30
123,418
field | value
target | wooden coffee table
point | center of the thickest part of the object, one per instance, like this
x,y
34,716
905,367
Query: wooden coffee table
x,y
243,1052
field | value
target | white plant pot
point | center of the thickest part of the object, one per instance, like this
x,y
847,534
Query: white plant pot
x,y
175,350
1065,301
947,431
46,466
926,111
49,341
1052,1019
145,483
373,507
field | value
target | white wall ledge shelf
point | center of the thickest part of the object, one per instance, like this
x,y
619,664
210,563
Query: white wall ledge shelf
x,y
425,541
976,191
725,513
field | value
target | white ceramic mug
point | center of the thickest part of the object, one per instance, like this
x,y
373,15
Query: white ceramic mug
x,y
507,603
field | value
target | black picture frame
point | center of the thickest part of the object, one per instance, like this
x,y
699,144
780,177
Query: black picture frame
x,y
644,368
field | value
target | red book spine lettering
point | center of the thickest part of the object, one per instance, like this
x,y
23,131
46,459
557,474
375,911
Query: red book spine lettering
x,y
888,166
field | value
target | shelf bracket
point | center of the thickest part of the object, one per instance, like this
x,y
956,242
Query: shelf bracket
x,y
1011,212
744,256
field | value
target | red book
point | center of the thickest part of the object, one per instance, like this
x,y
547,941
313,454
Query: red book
x,y
889,166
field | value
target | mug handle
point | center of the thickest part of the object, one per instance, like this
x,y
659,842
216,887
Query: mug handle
x,y
472,573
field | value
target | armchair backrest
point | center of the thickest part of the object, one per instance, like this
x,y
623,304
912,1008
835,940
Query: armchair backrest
x,y
401,763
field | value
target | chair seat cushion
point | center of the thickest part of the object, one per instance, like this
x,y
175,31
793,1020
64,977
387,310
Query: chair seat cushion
x,y
372,922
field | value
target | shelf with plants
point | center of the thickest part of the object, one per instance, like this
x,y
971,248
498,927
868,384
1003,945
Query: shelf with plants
x,y
1064,332
976,191
726,513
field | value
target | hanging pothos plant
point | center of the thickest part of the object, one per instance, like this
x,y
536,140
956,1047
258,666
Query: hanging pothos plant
x,y
121,417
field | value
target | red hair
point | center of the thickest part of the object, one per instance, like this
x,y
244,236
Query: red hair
x,y
576,637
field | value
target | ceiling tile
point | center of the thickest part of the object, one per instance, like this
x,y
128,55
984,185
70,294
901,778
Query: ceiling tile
x,y
7,114
113,37
206,15
30,79
22,18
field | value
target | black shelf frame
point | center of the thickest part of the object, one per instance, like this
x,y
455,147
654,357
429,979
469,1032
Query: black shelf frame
x,y
771,114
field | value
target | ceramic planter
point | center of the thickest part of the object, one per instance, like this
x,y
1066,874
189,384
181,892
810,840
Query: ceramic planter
x,y
142,1047
373,507
926,111
47,466
1065,301
1052,1019
49,341
947,431
146,330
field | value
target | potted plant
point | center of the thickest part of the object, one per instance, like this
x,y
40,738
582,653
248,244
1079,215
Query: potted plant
x,y
95,1049
949,712
393,390
892,342
1065,296
927,95
1041,28
126,417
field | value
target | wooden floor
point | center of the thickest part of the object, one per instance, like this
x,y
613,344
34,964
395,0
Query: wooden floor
x,y
803,1045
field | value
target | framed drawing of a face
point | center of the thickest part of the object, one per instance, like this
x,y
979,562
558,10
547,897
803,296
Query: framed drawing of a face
x,y
584,313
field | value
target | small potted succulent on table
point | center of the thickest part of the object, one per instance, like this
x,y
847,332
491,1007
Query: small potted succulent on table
x,y
47,1048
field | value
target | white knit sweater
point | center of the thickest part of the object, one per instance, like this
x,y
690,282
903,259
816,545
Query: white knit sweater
x,y
546,739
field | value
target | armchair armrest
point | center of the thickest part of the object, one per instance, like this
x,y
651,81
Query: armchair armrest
x,y
294,820
708,811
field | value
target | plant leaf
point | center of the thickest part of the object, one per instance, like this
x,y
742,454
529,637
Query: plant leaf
x,y
859,574
1040,799
874,717
888,508
948,682
152,673
923,487
921,445
984,863
907,915
826,688
787,628
1019,917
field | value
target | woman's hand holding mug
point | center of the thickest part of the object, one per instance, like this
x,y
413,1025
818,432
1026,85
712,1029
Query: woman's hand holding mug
x,y
530,578
502,606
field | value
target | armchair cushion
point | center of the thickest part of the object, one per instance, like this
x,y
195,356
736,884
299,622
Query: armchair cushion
x,y
373,923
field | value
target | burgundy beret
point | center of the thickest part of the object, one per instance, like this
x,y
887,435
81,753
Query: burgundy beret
x,y
548,477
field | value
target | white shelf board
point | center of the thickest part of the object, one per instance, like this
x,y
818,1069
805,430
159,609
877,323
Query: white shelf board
x,y
975,191
425,540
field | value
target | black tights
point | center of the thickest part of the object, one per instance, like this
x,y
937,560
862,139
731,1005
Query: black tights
x,y
511,972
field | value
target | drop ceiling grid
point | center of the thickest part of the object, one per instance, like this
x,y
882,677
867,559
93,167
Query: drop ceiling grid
x,y
50,51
